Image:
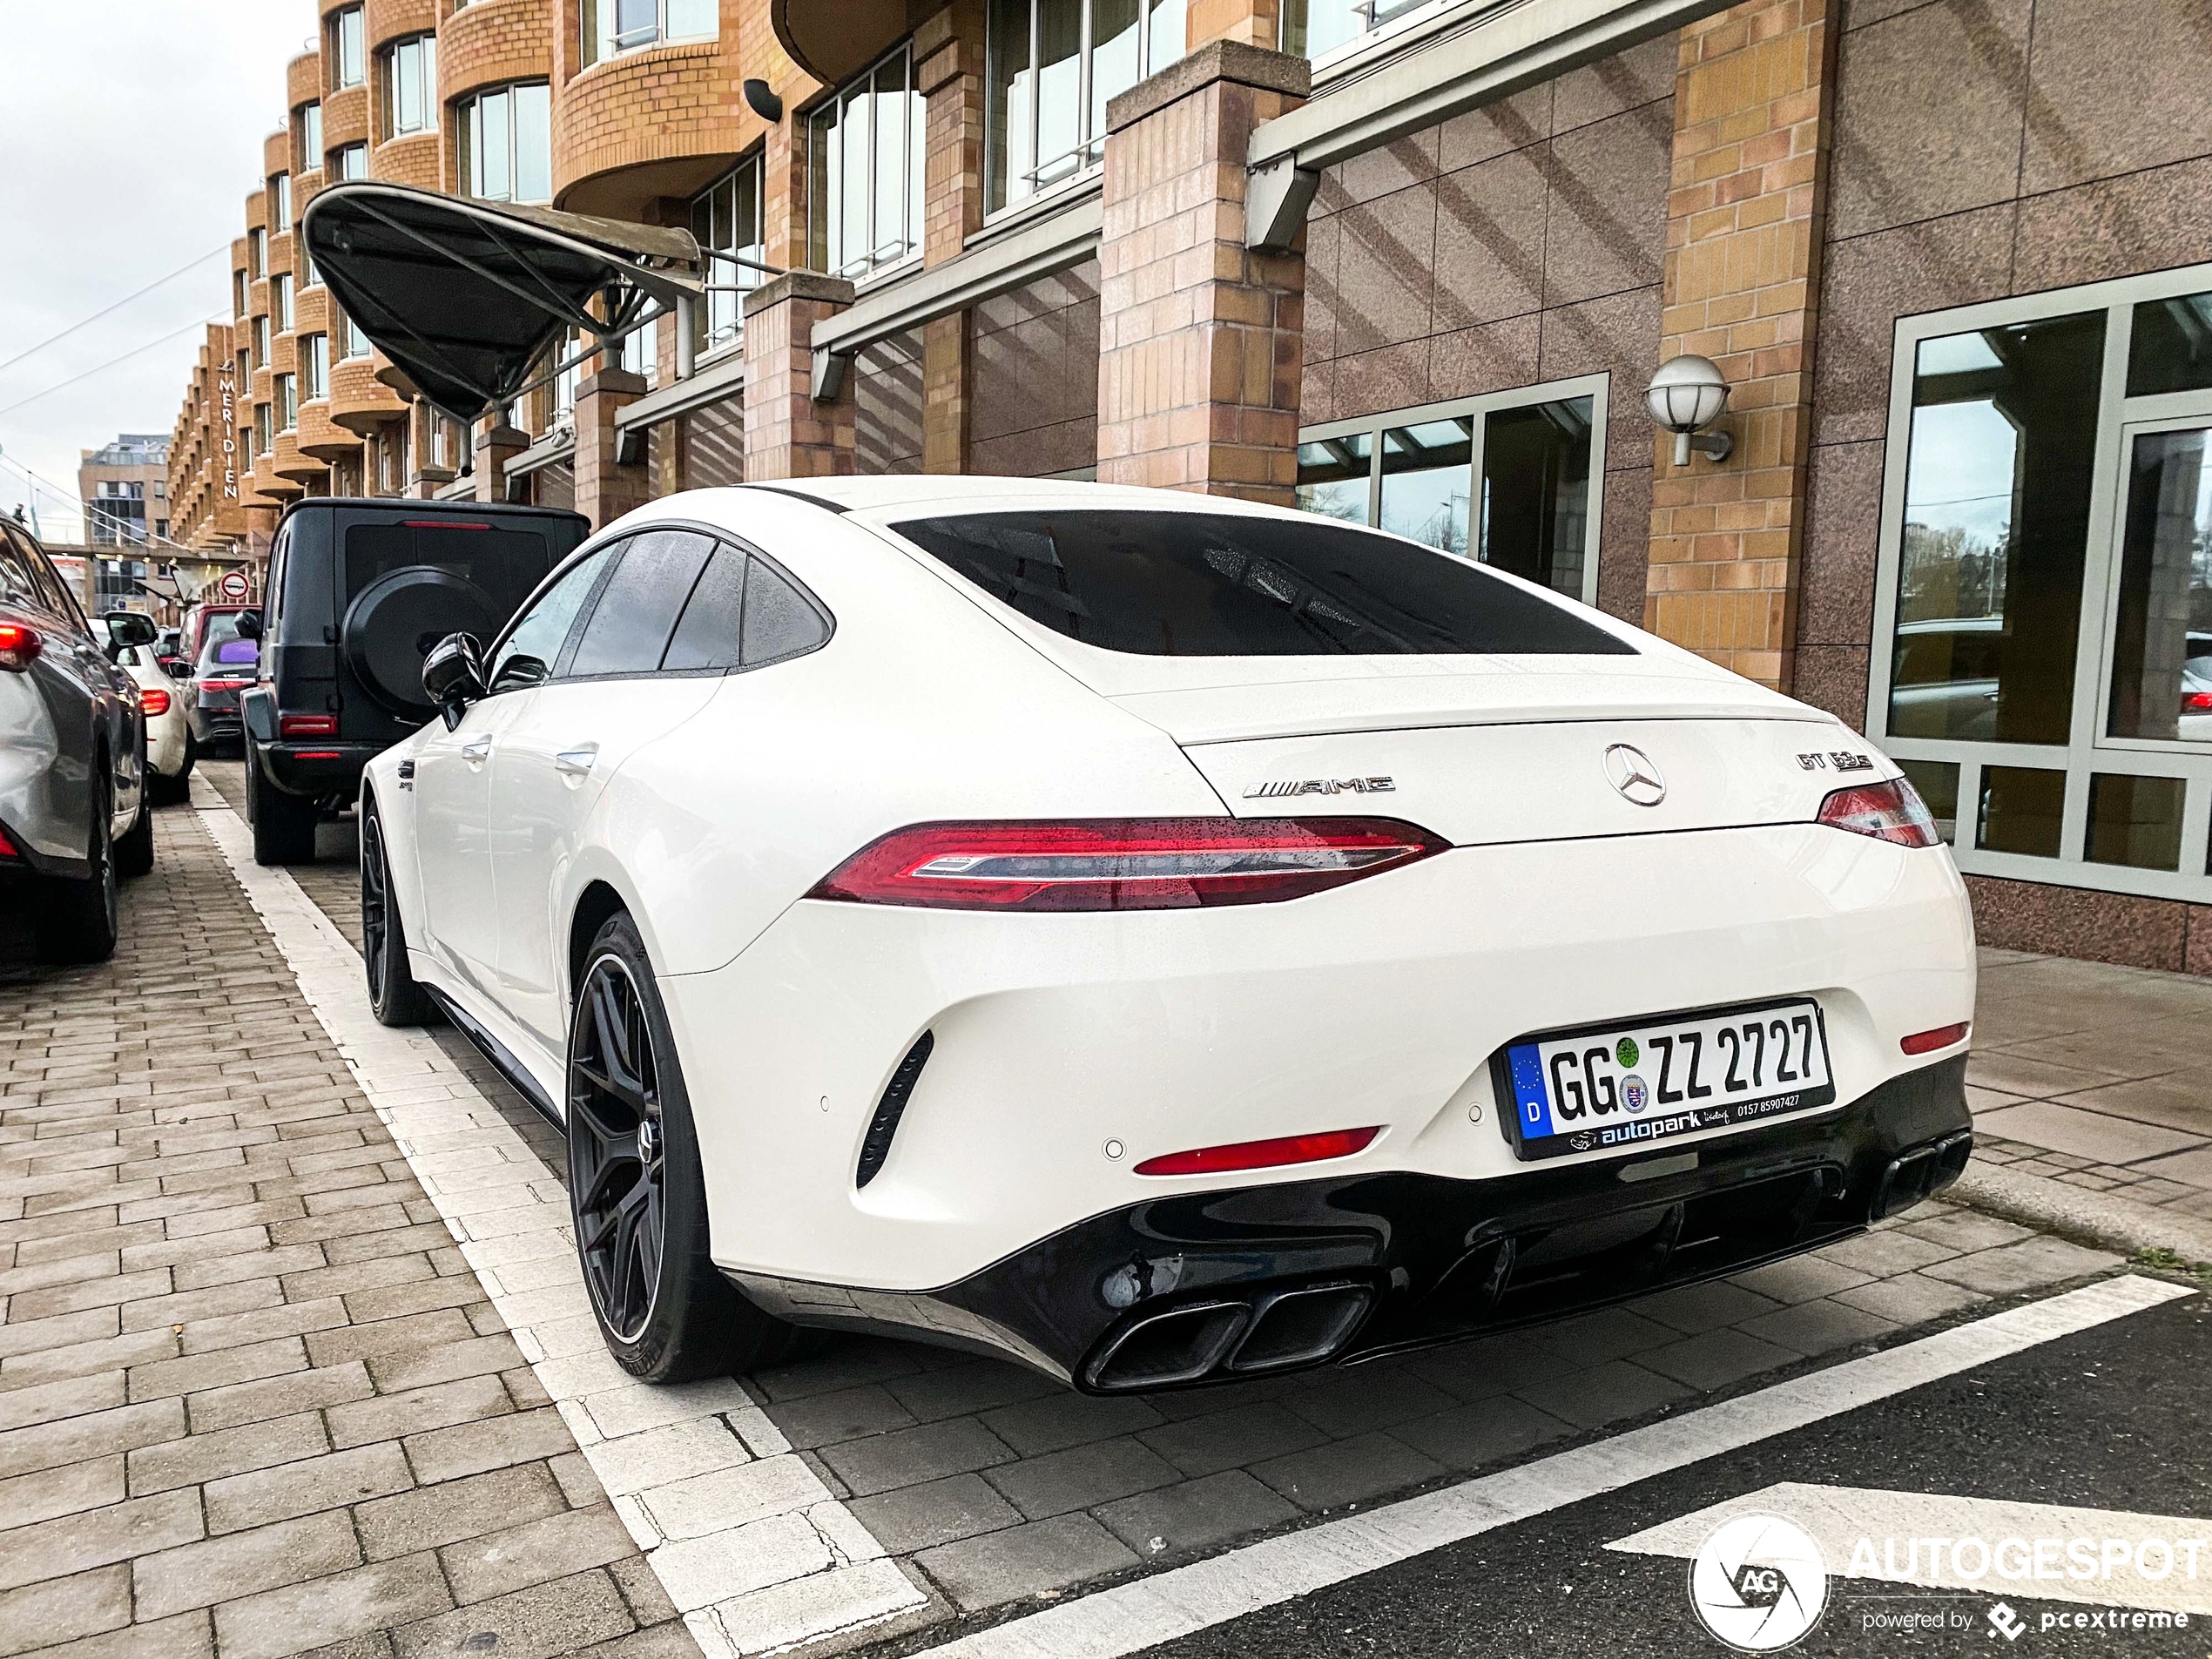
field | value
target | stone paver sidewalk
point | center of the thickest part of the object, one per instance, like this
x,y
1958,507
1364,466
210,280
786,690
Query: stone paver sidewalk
x,y
251,1398
2096,1076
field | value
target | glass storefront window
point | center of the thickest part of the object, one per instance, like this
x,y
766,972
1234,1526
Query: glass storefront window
x,y
2171,346
864,159
2023,810
1509,478
1054,65
726,218
2161,668
2135,820
2002,451
1426,482
2045,581
1536,492
1333,476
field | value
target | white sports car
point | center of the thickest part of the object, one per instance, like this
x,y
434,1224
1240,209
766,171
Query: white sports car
x,y
1158,938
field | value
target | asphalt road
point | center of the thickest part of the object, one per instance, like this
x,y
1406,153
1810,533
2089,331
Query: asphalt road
x,y
2114,1418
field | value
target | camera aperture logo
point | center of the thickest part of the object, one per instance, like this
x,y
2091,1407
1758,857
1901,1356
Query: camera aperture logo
x,y
1759,1583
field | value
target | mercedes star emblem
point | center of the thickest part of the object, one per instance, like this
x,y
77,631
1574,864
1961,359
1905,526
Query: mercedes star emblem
x,y
1634,774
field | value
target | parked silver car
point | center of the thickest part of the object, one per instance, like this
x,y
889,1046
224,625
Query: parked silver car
x,y
73,815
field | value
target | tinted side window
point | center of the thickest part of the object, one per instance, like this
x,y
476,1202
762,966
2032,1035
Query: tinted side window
x,y
707,635
778,621
636,610
528,654
17,585
1198,585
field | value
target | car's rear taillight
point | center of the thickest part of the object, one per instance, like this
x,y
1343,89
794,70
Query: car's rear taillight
x,y
154,700
2196,702
1261,1154
1121,864
7,846
19,646
1891,812
307,725
224,686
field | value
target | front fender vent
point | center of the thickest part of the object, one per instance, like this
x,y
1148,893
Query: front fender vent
x,y
877,1146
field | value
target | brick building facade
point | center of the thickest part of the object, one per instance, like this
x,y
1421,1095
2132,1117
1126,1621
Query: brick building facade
x,y
1414,265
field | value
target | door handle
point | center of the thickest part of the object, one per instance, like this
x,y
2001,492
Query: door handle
x,y
576,762
475,750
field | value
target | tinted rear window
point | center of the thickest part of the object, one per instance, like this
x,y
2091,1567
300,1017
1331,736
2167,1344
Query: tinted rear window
x,y
504,565
1194,584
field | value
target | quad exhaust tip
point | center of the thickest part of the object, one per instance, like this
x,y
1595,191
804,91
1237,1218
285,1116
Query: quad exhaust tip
x,y
1276,1330
1921,1171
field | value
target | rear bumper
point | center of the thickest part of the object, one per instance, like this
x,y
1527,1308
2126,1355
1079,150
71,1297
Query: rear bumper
x,y
321,768
1212,1286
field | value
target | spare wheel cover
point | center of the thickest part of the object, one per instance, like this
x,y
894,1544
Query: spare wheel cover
x,y
395,620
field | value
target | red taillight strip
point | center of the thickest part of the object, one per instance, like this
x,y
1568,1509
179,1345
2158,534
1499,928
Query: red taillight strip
x,y
307,725
1261,1154
1121,864
7,846
154,700
1889,812
20,646
1942,1037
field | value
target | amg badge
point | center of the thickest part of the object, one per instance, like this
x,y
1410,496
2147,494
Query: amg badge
x,y
1319,786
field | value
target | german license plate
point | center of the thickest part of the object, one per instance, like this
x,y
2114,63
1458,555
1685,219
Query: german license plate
x,y
1618,1088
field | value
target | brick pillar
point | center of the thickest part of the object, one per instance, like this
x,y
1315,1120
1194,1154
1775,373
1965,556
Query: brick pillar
x,y
605,490
1753,94
1248,22
948,54
1201,340
787,433
430,478
496,444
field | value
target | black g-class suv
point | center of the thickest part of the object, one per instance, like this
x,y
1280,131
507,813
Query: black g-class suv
x,y
358,591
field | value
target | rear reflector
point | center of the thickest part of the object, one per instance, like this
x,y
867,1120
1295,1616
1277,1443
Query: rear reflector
x,y
307,725
8,847
1121,864
316,754
1942,1037
154,700
1261,1154
19,646
1891,811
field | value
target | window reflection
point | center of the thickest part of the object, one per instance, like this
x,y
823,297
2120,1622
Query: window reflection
x,y
2170,348
1333,476
2022,808
1427,482
2162,666
2135,821
1996,532
1937,784
1536,492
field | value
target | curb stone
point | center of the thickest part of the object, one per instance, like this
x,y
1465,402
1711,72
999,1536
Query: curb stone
x,y
2092,1218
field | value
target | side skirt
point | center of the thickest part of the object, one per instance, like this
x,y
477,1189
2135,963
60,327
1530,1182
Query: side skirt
x,y
502,1058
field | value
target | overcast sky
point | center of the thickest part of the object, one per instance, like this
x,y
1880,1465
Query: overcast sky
x,y
130,132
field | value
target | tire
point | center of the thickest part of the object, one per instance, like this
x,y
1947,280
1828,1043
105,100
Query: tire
x,y
284,825
639,1198
394,996
134,852
76,919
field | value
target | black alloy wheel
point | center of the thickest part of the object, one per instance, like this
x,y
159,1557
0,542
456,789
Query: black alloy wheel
x,y
616,1149
394,996
638,1184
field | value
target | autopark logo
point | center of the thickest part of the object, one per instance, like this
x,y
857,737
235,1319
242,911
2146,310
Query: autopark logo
x,y
1759,1583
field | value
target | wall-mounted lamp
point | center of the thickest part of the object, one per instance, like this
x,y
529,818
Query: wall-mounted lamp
x,y
1687,395
762,102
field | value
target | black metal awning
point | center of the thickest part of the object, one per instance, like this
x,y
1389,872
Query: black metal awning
x,y
466,297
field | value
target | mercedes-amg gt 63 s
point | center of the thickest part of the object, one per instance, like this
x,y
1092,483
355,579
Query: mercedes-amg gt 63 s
x,y
1156,937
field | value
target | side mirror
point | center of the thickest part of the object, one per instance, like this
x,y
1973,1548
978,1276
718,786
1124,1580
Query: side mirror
x,y
249,624
131,628
453,675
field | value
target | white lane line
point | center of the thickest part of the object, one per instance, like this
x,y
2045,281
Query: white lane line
x,y
2040,1551
1148,1611
744,1536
